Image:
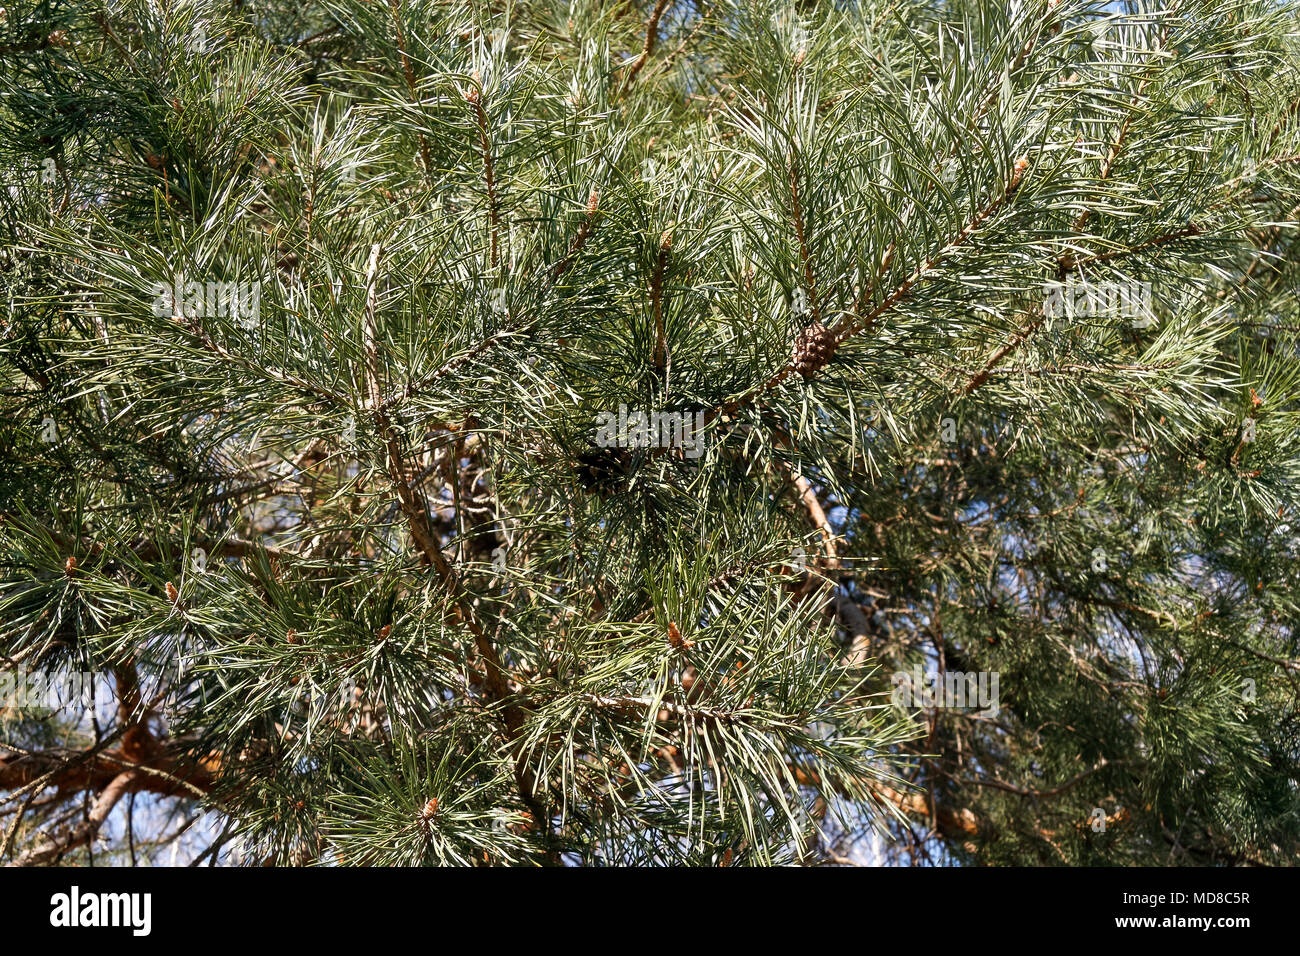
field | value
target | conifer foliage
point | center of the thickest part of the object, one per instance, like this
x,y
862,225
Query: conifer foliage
x,y
706,432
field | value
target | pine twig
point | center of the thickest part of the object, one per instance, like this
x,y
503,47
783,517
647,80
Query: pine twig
x,y
657,307
474,97
408,72
805,257
651,38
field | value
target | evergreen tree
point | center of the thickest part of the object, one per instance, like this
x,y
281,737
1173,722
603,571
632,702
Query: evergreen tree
x,y
572,433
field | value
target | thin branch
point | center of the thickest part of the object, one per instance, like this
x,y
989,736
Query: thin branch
x,y
409,73
805,257
474,97
657,307
651,38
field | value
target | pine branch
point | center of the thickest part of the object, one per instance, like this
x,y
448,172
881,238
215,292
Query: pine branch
x,y
661,357
408,72
474,97
651,38
58,846
805,258
854,324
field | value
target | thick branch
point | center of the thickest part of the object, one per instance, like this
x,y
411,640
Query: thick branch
x,y
56,846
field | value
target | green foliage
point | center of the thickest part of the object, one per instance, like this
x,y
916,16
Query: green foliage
x,y
350,558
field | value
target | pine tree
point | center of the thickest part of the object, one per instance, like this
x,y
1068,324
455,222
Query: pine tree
x,y
574,433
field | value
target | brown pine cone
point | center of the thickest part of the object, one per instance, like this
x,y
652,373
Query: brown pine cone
x,y
603,470
813,348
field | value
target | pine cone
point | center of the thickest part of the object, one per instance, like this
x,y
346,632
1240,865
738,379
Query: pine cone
x,y
603,470
813,349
